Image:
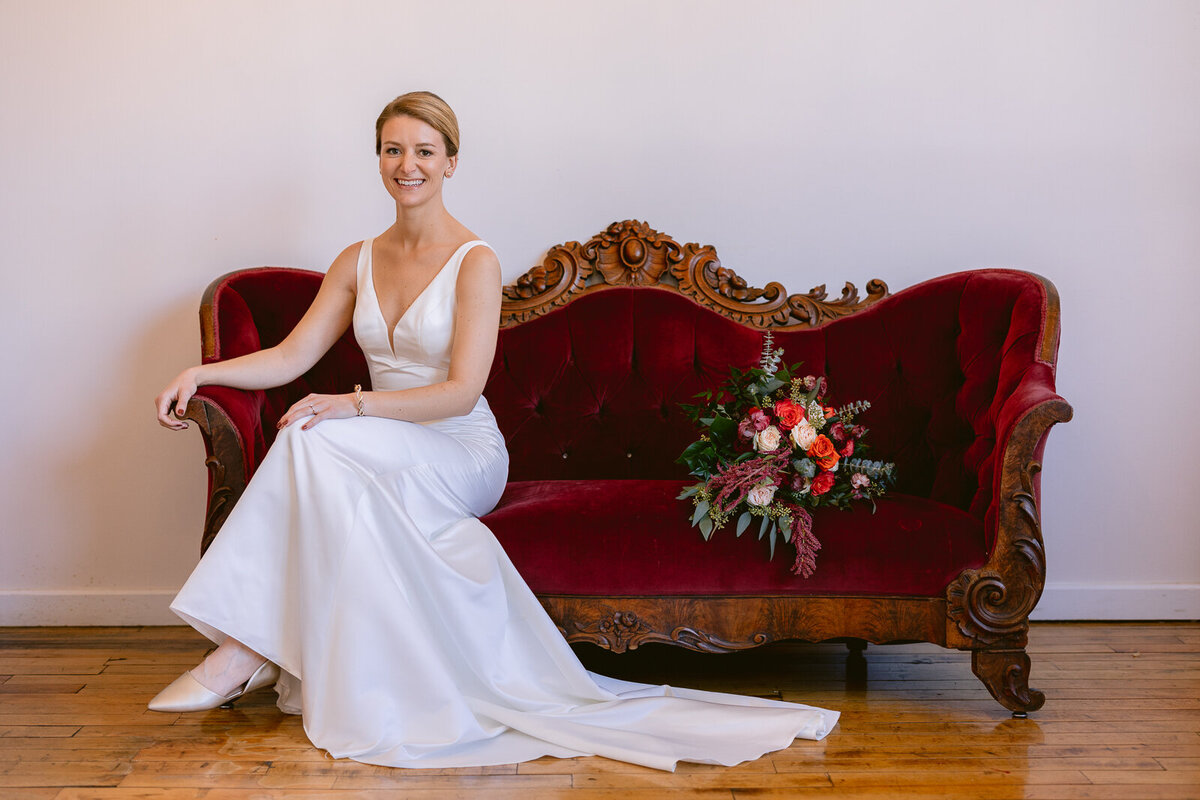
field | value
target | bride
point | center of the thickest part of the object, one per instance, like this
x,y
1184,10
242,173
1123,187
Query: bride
x,y
354,576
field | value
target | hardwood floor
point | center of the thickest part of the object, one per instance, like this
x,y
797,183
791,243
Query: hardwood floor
x,y
1122,720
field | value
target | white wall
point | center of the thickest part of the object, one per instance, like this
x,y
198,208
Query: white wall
x,y
147,147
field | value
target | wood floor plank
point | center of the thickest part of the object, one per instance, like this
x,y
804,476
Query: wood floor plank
x,y
37,731
97,793
1122,720
652,780
62,773
1183,777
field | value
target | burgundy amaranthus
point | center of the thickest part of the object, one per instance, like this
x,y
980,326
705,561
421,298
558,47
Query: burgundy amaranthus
x,y
804,541
733,481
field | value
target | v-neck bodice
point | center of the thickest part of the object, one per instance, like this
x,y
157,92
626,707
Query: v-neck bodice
x,y
417,351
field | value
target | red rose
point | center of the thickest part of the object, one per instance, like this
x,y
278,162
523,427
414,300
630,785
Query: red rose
x,y
822,483
789,414
823,452
848,450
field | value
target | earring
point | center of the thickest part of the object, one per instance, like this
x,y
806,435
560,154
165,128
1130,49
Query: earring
x,y
449,172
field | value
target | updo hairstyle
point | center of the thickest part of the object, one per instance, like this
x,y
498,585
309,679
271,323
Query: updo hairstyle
x,y
427,107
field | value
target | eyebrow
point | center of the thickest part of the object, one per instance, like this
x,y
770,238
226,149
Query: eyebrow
x,y
419,144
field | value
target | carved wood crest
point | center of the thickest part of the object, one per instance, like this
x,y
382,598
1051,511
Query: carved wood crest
x,y
631,253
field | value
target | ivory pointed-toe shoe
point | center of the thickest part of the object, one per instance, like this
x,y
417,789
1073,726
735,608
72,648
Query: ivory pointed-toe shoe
x,y
187,694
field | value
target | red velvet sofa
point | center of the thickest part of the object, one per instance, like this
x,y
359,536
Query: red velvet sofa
x,y
599,345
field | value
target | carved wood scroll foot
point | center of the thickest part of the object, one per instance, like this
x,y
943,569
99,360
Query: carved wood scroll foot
x,y
1005,673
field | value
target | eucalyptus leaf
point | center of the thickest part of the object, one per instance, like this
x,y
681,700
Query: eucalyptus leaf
x,y
706,528
772,542
744,522
701,512
762,529
785,527
688,492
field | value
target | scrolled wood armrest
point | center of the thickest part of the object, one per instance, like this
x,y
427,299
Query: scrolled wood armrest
x,y
230,424
990,606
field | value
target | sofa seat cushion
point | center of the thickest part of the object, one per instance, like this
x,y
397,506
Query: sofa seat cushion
x,y
633,538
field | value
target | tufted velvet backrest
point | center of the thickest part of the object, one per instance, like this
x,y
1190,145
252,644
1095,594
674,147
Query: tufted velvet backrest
x,y
592,390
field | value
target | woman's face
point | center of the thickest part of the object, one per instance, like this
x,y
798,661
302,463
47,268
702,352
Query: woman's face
x,y
412,160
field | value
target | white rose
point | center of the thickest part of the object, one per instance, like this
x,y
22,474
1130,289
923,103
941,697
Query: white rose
x,y
761,495
803,435
767,440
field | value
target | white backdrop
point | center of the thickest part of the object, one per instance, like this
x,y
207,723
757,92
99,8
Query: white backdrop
x,y
147,147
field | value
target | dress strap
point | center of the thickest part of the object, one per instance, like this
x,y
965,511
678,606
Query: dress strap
x,y
364,266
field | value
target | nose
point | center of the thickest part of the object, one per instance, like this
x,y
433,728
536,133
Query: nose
x,y
407,162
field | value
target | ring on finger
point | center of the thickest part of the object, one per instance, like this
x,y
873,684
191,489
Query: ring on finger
x,y
312,409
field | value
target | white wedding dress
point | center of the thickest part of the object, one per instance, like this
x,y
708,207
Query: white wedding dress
x,y
355,561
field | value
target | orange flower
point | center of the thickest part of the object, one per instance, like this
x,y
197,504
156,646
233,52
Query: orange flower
x,y
823,452
788,413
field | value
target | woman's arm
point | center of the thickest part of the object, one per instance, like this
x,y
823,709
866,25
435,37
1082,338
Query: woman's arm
x,y
320,327
476,326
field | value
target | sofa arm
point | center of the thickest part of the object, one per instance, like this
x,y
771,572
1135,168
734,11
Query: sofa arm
x,y
230,424
1024,420
991,605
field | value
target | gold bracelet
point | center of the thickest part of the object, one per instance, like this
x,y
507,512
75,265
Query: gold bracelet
x,y
358,399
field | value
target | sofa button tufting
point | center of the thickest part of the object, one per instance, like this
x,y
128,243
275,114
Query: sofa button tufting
x,y
629,455
564,455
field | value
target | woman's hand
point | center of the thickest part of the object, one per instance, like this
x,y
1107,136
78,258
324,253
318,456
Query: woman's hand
x,y
172,401
318,407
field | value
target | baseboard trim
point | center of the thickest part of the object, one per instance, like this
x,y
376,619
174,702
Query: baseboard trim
x,y
1121,601
88,607
1060,601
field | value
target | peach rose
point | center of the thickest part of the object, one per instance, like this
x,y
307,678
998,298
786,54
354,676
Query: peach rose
x,y
823,452
803,435
767,440
761,496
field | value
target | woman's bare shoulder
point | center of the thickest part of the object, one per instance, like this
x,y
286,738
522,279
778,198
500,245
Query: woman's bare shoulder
x,y
480,260
346,262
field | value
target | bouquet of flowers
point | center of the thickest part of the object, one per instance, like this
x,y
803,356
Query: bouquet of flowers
x,y
773,447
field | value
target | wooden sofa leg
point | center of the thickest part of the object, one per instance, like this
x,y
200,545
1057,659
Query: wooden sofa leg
x,y
856,662
1005,673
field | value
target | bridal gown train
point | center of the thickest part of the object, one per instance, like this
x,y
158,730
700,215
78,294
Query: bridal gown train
x,y
355,561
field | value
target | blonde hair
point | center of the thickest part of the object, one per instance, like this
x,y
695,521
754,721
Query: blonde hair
x,y
427,107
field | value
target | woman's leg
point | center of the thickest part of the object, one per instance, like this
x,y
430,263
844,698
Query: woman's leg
x,y
227,667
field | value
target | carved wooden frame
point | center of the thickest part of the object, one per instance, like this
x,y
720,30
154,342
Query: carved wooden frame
x,y
985,610
631,253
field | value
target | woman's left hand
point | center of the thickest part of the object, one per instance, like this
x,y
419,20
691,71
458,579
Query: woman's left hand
x,y
318,407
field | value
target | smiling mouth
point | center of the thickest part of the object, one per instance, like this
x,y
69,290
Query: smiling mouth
x,y
409,183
